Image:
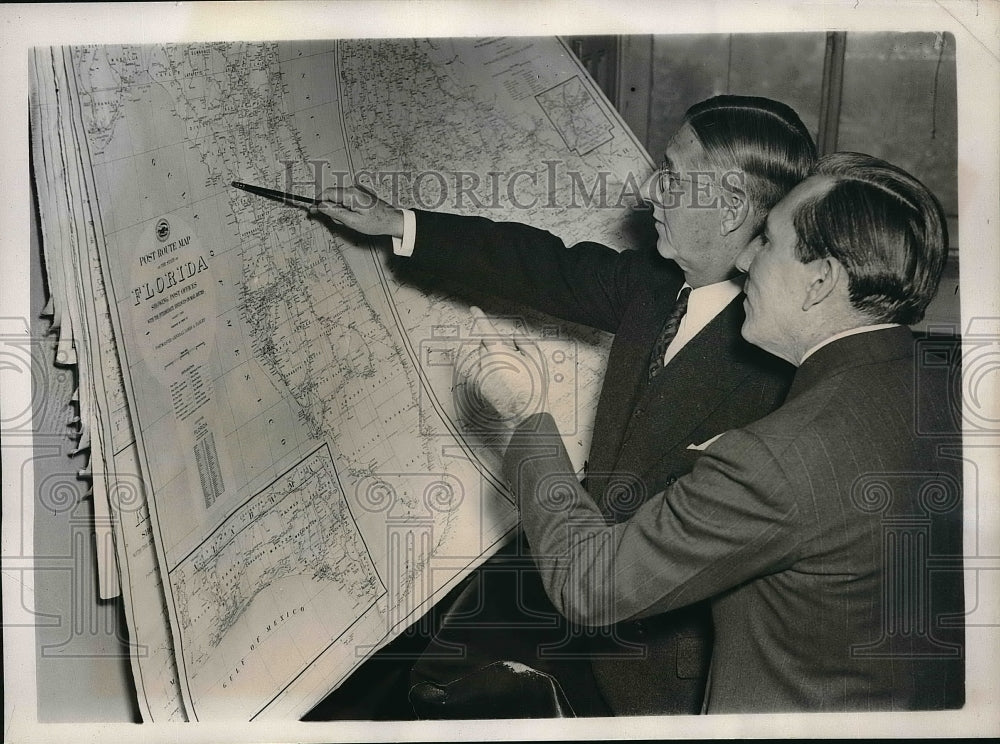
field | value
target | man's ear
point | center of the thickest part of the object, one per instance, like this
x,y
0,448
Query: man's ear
x,y
826,275
736,208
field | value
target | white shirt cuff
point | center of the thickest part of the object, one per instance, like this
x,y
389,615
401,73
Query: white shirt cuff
x,y
404,246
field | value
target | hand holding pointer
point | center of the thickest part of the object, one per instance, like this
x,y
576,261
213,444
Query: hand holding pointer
x,y
356,207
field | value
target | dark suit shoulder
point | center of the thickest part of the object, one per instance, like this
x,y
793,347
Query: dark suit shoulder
x,y
865,405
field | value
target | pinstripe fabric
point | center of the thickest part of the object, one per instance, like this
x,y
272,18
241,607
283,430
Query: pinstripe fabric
x,y
811,530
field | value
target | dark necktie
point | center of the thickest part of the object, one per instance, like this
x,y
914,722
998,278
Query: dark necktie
x,y
668,332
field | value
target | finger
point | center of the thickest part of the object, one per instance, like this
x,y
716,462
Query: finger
x,y
333,194
501,386
338,203
482,326
330,211
363,198
467,370
486,389
337,199
366,189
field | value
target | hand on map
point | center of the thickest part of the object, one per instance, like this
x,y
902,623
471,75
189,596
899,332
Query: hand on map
x,y
360,209
499,379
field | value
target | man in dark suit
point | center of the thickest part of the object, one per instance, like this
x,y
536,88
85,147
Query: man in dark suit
x,y
678,374
827,535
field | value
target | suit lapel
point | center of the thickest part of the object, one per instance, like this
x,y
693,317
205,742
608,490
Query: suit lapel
x,y
629,366
678,400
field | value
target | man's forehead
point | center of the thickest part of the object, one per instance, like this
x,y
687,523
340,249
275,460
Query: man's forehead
x,y
684,149
684,136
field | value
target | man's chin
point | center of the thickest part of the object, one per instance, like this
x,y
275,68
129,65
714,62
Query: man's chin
x,y
752,335
665,250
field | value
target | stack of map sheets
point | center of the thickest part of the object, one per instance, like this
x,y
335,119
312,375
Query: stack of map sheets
x,y
267,406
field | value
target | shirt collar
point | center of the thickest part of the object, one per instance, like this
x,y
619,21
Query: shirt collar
x,y
712,297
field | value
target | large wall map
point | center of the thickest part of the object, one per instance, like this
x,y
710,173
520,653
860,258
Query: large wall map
x,y
303,485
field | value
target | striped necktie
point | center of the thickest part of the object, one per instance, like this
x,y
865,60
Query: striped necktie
x,y
668,332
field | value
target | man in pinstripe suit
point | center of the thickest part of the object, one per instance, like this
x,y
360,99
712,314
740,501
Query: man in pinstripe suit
x,y
811,529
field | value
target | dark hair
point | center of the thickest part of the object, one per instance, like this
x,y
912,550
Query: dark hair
x,y
885,228
763,138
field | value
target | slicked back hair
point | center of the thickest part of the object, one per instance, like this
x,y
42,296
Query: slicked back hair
x,y
885,228
763,138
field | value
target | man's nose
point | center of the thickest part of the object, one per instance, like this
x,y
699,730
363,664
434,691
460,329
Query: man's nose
x,y
648,191
746,257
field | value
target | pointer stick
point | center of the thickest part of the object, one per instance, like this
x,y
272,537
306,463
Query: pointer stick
x,y
285,196
275,194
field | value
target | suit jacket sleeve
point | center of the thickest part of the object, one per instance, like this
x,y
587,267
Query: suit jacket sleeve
x,y
728,521
589,283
